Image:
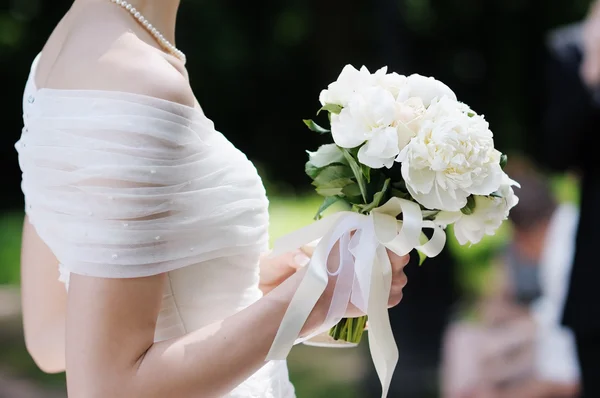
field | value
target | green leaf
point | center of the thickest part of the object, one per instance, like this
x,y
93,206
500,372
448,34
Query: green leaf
x,y
400,185
315,127
333,108
430,214
422,257
332,187
358,174
377,198
352,194
330,173
422,240
469,207
329,191
366,172
352,190
503,160
337,183
400,194
329,200
311,170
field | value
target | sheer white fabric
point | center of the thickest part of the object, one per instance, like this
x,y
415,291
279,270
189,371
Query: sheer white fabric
x,y
123,185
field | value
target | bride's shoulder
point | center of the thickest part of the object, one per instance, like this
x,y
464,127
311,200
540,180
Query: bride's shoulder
x,y
128,66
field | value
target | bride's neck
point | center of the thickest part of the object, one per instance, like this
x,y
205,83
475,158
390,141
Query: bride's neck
x,y
162,14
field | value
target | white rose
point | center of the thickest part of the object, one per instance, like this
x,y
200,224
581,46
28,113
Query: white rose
x,y
489,213
426,88
349,82
451,157
325,155
369,117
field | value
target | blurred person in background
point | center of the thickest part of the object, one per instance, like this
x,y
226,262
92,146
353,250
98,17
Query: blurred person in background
x,y
520,349
571,122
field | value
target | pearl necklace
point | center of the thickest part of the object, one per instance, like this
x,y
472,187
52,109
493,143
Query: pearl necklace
x,y
164,43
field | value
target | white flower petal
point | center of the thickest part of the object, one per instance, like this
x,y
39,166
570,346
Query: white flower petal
x,y
326,155
418,181
345,129
461,235
428,88
487,217
349,82
445,218
491,182
374,162
380,150
367,112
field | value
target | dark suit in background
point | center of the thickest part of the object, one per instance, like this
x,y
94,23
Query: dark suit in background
x,y
570,128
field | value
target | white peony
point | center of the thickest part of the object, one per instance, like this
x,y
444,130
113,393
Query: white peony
x,y
408,118
425,88
487,216
369,117
451,157
392,82
349,82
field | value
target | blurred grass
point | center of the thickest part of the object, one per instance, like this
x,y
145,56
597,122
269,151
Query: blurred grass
x,y
315,372
11,225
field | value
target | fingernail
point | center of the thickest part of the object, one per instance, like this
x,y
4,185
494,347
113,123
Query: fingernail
x,y
301,259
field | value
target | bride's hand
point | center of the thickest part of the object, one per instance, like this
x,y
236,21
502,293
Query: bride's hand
x,y
399,281
275,270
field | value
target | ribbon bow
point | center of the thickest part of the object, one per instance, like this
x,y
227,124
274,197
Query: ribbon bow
x,y
364,274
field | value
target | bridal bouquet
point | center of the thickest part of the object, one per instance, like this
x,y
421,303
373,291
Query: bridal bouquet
x,y
408,137
406,156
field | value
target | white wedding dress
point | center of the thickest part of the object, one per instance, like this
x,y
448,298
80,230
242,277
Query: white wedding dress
x,y
123,185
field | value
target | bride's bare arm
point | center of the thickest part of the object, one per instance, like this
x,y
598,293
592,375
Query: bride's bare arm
x,y
44,302
110,350
111,353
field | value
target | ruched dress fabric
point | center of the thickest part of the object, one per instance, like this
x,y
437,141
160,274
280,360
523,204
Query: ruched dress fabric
x,y
122,185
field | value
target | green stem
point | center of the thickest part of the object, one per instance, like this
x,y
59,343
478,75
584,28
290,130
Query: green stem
x,y
349,329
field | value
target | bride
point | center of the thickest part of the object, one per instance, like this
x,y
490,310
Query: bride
x,y
158,224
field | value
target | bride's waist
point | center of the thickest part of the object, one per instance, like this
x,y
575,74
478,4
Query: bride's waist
x,y
199,295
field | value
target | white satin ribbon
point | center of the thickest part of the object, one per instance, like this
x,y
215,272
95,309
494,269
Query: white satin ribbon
x,y
364,274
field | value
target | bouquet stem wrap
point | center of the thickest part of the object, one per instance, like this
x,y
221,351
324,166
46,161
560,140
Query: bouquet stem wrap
x,y
364,274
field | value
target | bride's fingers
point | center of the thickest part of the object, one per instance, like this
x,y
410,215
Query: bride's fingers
x,y
295,260
398,262
396,294
399,278
300,259
308,249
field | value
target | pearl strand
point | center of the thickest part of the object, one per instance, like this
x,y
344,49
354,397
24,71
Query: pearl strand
x,y
164,43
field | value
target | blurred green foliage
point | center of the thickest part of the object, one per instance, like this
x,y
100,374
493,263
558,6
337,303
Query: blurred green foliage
x,y
11,225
